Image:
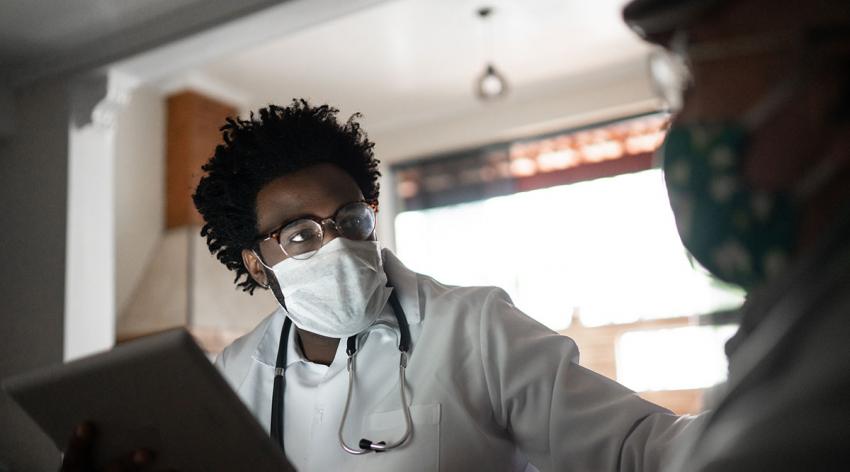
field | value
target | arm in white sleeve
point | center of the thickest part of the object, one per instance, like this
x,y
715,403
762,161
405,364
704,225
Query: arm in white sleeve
x,y
560,414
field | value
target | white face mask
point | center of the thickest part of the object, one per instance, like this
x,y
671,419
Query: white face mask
x,y
339,291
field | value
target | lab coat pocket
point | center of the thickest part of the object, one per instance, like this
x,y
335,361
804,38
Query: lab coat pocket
x,y
421,452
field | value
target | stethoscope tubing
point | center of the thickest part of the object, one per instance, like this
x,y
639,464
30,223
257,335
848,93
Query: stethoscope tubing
x,y
365,445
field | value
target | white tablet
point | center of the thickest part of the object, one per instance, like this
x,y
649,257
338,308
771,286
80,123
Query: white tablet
x,y
159,392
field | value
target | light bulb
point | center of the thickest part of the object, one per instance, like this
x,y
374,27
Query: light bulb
x,y
491,84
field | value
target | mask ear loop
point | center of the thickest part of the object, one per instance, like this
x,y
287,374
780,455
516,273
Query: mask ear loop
x,y
268,284
829,167
818,177
770,103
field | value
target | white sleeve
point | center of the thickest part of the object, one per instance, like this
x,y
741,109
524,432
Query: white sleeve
x,y
560,414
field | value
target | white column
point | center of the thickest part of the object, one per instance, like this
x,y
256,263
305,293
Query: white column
x,y
90,308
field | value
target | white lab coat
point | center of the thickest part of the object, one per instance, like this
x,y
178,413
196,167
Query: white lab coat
x,y
489,388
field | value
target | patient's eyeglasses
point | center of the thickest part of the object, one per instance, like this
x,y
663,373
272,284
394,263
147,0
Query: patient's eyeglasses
x,y
670,68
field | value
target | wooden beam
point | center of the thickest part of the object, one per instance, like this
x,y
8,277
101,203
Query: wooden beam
x,y
193,124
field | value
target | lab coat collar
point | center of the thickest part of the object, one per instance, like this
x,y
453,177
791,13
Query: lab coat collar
x,y
402,279
406,285
266,352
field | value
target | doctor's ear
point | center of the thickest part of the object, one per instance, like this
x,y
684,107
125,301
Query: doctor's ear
x,y
255,267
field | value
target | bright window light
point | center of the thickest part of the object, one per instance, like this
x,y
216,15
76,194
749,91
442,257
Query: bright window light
x,y
606,249
673,359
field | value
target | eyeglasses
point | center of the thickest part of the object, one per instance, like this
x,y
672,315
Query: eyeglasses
x,y
670,68
302,238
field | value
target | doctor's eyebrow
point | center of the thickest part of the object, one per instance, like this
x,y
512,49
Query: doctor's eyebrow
x,y
299,216
286,221
288,214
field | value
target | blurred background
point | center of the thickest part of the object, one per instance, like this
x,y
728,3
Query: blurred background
x,y
516,141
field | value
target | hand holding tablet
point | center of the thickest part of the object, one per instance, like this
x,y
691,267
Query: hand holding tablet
x,y
159,394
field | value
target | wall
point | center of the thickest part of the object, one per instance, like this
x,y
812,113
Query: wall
x,y
7,106
182,283
139,188
33,173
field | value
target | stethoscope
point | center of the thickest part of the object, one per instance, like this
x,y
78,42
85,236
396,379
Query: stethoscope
x,y
365,446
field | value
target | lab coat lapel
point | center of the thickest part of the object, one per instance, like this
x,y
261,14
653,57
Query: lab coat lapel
x,y
266,351
258,386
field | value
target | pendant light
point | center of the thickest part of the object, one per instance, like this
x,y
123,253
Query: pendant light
x,y
491,84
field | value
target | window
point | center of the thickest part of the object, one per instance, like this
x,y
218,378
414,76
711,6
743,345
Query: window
x,y
577,228
673,359
605,250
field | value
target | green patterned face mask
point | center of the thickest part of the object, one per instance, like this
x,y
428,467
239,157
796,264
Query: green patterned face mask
x,y
741,236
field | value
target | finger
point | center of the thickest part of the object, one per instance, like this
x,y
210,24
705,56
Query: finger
x,y
78,454
133,462
142,457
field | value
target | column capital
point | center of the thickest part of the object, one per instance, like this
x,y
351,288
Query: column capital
x,y
96,99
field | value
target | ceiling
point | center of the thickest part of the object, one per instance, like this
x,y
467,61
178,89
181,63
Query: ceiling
x,y
404,62
408,65
33,28
42,37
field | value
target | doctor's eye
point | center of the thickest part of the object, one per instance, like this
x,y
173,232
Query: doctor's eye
x,y
301,238
356,221
304,236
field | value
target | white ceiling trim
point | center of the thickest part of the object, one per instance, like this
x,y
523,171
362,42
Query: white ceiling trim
x,y
206,85
275,22
205,31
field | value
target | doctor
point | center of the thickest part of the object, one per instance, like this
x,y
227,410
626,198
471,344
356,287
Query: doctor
x,y
367,365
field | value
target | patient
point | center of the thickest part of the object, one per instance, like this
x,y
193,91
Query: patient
x,y
756,165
